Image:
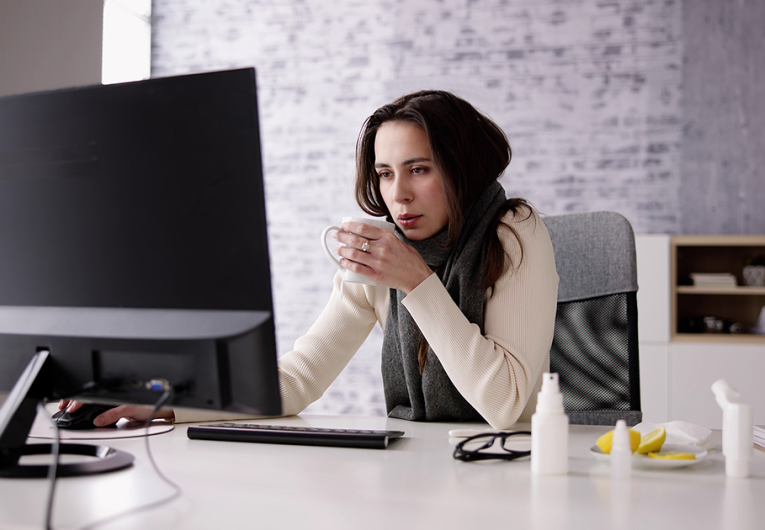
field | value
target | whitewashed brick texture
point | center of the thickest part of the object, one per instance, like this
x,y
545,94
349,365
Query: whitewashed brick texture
x,y
588,92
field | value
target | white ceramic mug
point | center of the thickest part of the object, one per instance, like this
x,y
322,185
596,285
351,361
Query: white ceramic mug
x,y
349,276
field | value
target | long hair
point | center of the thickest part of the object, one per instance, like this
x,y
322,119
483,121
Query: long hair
x,y
469,150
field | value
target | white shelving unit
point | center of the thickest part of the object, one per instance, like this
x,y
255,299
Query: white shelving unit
x,y
678,369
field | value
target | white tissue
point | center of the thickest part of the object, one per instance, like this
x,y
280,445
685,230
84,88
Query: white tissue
x,y
680,433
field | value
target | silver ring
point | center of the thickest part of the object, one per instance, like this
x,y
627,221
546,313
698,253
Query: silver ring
x,y
365,246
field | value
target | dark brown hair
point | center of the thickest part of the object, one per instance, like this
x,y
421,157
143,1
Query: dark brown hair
x,y
469,150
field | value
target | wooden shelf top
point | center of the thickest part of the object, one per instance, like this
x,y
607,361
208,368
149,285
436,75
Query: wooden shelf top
x,y
738,290
724,338
718,240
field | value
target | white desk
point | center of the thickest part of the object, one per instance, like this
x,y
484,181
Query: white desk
x,y
415,483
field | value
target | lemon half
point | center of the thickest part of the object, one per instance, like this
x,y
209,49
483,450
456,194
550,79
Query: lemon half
x,y
605,441
652,441
672,455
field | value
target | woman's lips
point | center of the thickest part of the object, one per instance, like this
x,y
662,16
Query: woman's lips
x,y
408,221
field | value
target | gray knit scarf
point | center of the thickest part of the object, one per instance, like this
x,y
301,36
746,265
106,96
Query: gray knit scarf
x,y
430,395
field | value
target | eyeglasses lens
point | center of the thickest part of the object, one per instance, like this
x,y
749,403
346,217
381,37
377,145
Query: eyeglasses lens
x,y
517,443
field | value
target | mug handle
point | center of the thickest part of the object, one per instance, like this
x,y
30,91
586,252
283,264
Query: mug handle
x,y
326,249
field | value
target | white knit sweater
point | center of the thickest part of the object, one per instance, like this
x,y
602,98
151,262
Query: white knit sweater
x,y
498,372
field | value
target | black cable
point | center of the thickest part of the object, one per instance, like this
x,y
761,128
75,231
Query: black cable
x,y
166,396
52,468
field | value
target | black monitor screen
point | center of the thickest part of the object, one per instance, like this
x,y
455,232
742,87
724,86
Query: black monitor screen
x,y
137,195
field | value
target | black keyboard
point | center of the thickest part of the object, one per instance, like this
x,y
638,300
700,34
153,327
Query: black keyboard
x,y
287,434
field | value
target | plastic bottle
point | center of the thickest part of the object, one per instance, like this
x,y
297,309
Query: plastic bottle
x,y
621,452
737,429
549,430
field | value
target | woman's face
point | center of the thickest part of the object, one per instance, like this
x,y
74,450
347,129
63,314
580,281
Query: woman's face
x,y
410,184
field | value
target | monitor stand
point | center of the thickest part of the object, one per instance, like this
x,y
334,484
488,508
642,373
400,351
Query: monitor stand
x,y
16,418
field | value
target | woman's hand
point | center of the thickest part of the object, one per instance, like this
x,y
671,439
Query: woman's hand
x,y
130,412
386,261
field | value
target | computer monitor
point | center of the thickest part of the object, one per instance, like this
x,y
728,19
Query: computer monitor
x,y
133,249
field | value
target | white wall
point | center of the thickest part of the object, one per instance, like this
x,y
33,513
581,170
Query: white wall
x,y
49,44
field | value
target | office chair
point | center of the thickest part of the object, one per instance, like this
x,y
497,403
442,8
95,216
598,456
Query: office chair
x,y
595,345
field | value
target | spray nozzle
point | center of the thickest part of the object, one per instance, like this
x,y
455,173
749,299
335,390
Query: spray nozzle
x,y
724,393
550,383
549,398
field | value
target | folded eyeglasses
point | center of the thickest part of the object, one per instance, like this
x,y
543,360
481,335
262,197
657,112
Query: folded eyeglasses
x,y
484,447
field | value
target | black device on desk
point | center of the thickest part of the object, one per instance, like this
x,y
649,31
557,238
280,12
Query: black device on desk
x,y
134,251
294,435
82,419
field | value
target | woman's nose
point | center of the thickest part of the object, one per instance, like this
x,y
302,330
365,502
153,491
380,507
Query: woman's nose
x,y
402,191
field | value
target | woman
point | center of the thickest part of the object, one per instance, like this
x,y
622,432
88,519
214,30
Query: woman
x,y
467,285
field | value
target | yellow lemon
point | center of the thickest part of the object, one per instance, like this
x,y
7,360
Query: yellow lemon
x,y
672,455
652,441
605,441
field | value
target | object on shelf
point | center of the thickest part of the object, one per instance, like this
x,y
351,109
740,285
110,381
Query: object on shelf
x,y
709,325
692,325
759,327
713,280
719,325
754,275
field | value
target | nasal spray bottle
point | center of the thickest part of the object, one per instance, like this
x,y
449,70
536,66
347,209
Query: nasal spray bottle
x,y
549,430
737,429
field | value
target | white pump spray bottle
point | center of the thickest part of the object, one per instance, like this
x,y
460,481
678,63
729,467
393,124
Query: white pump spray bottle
x,y
549,430
737,429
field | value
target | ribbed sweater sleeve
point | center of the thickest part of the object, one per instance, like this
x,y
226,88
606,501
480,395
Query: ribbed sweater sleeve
x,y
321,354
498,372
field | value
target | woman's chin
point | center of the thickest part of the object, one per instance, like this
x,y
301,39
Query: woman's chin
x,y
417,234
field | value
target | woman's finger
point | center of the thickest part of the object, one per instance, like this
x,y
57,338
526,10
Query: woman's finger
x,y
363,230
131,412
354,255
70,405
114,415
352,240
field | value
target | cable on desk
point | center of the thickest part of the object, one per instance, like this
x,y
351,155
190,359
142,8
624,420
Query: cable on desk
x,y
166,396
53,467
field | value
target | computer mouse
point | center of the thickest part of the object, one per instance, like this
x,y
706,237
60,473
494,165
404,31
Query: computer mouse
x,y
82,418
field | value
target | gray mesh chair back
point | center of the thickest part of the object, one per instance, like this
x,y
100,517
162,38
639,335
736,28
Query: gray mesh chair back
x,y
595,345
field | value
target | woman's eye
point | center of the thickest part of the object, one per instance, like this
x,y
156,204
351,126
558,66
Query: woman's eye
x,y
418,170
384,175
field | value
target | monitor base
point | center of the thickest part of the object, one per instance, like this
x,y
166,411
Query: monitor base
x,y
107,459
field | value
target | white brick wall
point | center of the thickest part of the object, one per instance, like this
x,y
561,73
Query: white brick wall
x,y
587,91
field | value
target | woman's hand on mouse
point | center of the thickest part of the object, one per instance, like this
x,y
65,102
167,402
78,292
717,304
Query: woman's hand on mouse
x,y
385,259
129,412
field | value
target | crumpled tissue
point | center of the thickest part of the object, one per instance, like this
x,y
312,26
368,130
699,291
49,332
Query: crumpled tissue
x,y
679,433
